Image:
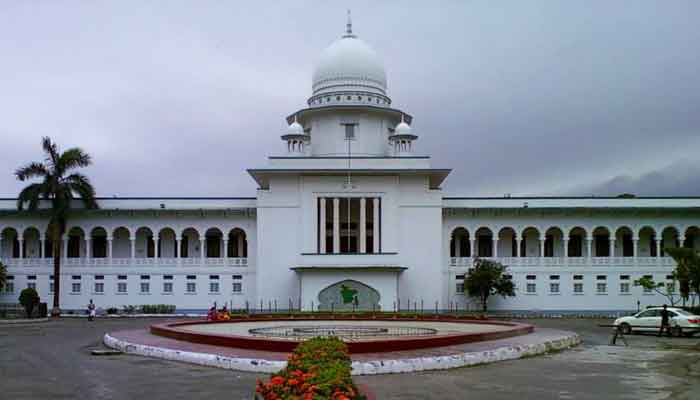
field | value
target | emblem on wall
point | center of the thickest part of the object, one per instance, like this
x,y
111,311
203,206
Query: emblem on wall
x,y
348,295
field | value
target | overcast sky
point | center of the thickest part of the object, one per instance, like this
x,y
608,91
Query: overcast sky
x,y
527,98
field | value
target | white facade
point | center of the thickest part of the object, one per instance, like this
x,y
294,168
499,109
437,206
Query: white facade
x,y
349,200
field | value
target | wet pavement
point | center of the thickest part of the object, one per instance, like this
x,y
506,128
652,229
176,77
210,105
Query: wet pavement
x,y
52,361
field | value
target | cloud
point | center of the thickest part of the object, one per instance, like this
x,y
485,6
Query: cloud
x,y
173,99
681,178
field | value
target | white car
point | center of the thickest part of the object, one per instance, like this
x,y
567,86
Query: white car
x,y
682,322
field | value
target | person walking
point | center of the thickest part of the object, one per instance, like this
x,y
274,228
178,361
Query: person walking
x,y
664,322
91,310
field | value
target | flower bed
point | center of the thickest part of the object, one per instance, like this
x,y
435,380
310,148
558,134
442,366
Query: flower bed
x,y
318,369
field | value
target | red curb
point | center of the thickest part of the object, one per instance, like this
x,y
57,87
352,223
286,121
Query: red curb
x,y
172,330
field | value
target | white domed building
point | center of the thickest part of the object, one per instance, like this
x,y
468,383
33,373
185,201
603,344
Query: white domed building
x,y
351,215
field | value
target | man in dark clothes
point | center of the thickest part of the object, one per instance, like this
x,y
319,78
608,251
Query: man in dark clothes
x,y
664,322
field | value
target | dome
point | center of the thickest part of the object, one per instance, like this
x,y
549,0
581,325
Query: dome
x,y
402,129
295,128
349,64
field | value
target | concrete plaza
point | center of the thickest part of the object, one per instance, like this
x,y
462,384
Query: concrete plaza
x,y
53,361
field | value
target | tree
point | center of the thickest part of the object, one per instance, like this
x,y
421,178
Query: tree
x,y
665,290
488,278
687,271
58,186
29,298
3,276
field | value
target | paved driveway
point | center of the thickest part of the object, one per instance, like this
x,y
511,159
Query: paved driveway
x,y
52,361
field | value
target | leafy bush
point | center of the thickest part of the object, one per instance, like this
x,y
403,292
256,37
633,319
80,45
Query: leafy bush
x,y
157,309
112,310
129,309
29,299
318,369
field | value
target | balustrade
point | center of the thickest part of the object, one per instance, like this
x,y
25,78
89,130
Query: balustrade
x,y
120,262
569,261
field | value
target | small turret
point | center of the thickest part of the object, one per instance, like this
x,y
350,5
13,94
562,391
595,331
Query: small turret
x,y
401,141
297,140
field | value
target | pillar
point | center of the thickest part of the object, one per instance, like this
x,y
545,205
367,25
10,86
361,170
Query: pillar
x,y
178,239
471,247
589,247
88,252
132,240
658,248
322,225
363,225
156,247
110,251
517,246
612,247
42,247
65,246
375,224
458,245
224,251
202,249
566,250
336,225
21,247
635,247
542,241
495,247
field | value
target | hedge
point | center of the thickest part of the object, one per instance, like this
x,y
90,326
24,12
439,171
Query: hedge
x,y
318,369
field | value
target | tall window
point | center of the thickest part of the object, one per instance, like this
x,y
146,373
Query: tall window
x,y
349,212
73,246
349,131
575,246
602,246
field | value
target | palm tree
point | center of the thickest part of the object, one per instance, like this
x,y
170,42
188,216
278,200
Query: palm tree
x,y
58,189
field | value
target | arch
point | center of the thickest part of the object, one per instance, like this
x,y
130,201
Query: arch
x,y
75,248
554,242
167,242
507,243
459,242
121,242
9,242
577,242
98,242
601,242
237,243
189,243
692,237
32,242
213,239
624,241
647,245
670,238
483,246
145,245
530,242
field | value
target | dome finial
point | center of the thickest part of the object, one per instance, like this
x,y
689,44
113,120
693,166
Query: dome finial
x,y
348,26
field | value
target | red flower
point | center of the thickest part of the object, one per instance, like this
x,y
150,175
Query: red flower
x,y
278,380
293,382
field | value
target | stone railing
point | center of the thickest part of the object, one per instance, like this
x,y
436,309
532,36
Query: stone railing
x,y
569,261
136,262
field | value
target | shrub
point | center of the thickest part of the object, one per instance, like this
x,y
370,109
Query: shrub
x,y
318,369
157,309
29,298
112,310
